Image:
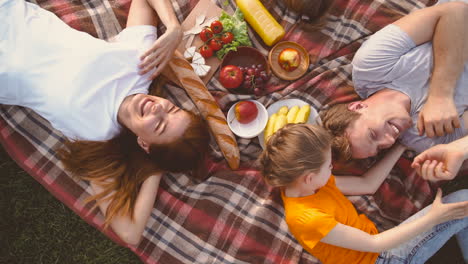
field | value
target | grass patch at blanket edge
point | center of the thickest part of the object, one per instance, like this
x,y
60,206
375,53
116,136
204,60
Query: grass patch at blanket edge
x,y
35,227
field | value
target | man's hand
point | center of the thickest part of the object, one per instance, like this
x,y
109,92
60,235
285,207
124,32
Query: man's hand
x,y
440,162
438,117
161,52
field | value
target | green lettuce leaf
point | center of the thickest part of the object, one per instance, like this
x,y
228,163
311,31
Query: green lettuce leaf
x,y
238,27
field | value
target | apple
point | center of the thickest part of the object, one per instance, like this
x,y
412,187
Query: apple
x,y
289,59
231,76
245,111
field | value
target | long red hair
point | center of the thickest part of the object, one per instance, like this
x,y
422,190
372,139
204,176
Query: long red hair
x,y
119,165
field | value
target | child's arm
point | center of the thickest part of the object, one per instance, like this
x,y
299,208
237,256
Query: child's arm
x,y
130,231
355,239
369,182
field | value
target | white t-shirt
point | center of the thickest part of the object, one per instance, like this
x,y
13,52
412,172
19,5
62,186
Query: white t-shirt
x,y
75,81
390,59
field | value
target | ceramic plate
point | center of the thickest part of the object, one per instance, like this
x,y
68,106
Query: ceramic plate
x,y
251,129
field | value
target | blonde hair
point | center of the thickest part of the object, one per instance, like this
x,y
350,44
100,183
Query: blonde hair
x,y
336,120
292,151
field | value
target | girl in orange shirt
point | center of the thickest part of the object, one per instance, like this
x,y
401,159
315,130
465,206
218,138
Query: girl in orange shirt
x,y
297,158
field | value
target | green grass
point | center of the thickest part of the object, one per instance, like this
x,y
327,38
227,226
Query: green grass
x,y
35,227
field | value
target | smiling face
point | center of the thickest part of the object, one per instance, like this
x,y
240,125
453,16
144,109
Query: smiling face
x,y
154,120
377,128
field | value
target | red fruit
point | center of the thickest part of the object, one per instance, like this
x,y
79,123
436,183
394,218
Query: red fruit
x,y
206,34
289,59
231,76
216,26
245,111
206,51
227,37
215,44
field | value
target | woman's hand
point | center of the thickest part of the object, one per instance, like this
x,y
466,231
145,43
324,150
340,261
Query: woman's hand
x,y
441,212
161,52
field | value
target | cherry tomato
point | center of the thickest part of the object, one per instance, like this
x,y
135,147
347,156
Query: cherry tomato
x,y
206,34
206,51
227,37
216,26
215,44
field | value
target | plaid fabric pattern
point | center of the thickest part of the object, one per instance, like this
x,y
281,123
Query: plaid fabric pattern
x,y
231,216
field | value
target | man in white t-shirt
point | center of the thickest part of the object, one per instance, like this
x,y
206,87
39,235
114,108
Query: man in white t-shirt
x,y
413,78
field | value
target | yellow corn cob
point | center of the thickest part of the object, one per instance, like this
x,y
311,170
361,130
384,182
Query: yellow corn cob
x,y
280,122
303,114
283,110
292,113
269,127
261,21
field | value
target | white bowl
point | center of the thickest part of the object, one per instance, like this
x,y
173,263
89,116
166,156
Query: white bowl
x,y
251,129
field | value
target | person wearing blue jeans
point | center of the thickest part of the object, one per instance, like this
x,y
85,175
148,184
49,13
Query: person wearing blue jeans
x,y
423,246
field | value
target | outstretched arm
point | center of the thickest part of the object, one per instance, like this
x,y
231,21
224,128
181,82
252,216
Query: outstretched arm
x,y
445,25
130,231
355,239
369,182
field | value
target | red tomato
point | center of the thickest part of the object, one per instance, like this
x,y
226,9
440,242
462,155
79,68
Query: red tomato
x,y
206,34
231,76
215,44
216,26
227,37
206,51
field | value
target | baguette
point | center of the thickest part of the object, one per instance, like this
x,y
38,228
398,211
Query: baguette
x,y
208,108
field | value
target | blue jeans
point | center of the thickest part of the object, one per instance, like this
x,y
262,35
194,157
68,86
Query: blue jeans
x,y
419,249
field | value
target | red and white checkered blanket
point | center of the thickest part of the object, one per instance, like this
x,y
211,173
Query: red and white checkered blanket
x,y
232,216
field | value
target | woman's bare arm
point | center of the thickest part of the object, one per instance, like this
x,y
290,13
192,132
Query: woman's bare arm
x,y
163,48
130,230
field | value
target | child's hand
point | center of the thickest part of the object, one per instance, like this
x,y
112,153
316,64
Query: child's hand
x,y
448,158
441,212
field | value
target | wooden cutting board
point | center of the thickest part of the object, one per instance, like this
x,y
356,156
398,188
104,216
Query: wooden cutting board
x,y
209,9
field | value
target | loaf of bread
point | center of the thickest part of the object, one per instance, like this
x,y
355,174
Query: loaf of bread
x,y
208,108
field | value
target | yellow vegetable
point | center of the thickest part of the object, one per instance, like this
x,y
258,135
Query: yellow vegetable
x,y
303,114
269,127
261,21
292,113
283,110
280,122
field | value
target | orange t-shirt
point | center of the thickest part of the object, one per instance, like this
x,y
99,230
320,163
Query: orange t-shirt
x,y
310,218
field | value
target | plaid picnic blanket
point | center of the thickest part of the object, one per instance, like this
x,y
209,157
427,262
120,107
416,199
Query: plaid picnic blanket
x,y
231,216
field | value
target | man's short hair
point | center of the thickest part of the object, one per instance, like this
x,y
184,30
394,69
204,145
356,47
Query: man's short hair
x,y
336,120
